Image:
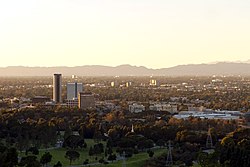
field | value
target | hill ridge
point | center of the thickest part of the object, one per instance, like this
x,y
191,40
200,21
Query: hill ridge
x,y
220,68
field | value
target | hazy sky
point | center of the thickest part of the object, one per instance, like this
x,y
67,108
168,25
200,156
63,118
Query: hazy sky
x,y
152,33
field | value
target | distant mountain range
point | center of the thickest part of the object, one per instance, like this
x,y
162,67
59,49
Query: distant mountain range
x,y
220,68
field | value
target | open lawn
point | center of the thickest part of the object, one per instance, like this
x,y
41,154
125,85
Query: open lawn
x,y
59,155
137,160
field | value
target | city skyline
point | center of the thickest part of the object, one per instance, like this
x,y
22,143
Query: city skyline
x,y
155,34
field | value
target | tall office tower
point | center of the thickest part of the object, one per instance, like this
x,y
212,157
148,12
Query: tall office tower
x,y
57,88
73,89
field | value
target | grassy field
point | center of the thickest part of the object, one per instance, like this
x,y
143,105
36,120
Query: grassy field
x,y
137,160
59,155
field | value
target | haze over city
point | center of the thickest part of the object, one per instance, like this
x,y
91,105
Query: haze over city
x,y
155,34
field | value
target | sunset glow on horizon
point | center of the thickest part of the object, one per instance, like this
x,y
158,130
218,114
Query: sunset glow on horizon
x,y
151,33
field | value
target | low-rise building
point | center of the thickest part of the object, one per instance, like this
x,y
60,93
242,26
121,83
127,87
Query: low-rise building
x,y
40,99
72,103
136,108
163,107
106,105
203,115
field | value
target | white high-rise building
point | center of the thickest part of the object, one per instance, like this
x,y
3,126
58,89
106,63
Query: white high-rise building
x,y
73,89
